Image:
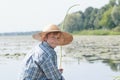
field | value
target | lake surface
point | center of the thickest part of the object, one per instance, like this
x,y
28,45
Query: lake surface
x,y
75,68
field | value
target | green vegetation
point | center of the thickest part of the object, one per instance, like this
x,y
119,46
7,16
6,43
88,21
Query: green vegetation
x,y
93,21
96,32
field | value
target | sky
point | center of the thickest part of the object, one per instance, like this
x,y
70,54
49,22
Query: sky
x,y
33,15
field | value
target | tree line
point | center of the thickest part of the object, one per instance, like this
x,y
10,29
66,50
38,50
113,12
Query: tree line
x,y
105,18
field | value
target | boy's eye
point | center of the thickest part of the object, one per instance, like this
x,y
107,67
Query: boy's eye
x,y
58,37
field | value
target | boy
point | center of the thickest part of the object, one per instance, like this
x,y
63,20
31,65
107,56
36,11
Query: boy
x,y
41,62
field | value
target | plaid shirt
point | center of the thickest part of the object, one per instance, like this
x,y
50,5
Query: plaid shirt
x,y
41,64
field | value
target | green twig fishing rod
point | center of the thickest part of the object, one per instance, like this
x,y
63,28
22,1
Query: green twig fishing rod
x,y
63,30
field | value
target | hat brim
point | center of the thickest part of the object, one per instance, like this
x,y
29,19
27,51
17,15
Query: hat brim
x,y
65,38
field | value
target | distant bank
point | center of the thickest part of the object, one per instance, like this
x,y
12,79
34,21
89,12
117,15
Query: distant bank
x,y
18,33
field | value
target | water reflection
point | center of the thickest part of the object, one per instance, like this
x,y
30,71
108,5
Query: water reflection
x,y
113,64
77,68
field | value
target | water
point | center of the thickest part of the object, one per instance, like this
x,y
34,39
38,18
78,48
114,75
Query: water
x,y
10,68
86,68
87,71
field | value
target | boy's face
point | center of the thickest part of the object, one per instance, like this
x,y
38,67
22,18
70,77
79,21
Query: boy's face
x,y
53,38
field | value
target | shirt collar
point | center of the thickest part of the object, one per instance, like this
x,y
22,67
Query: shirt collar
x,y
47,48
47,45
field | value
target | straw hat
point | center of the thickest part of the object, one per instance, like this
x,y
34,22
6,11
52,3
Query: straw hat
x,y
65,38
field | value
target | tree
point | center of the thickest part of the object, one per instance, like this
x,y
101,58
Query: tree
x,y
112,2
106,21
99,17
73,22
116,15
87,15
92,18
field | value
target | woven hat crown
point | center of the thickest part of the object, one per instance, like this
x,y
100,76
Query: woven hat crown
x,y
51,28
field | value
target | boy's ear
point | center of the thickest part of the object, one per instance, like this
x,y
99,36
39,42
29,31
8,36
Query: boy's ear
x,y
45,38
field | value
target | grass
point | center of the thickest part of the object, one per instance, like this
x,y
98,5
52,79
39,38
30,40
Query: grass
x,y
96,32
116,78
